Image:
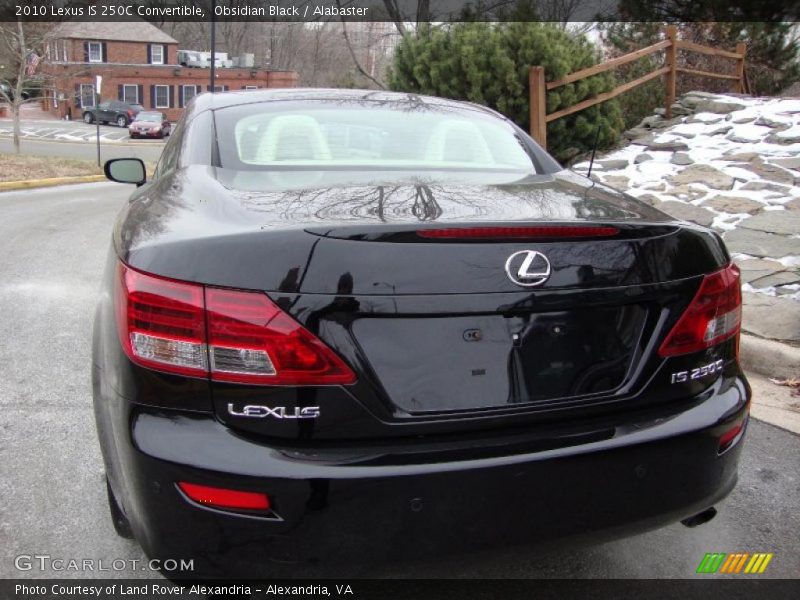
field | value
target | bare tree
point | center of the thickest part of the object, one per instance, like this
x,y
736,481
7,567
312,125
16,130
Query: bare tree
x,y
23,47
356,62
559,11
393,10
353,55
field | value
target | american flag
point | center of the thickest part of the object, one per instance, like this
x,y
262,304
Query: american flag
x,y
32,61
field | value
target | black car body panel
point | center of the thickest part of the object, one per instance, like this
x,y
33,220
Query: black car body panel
x,y
202,220
466,383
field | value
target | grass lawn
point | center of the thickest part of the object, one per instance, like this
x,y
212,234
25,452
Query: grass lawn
x,y
19,167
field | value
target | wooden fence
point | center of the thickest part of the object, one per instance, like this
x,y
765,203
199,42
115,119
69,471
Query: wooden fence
x,y
539,87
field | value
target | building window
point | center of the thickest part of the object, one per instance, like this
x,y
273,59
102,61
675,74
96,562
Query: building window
x,y
95,52
156,54
130,93
189,92
57,51
87,95
162,96
251,87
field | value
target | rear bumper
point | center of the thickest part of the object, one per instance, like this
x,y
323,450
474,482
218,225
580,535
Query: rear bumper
x,y
649,471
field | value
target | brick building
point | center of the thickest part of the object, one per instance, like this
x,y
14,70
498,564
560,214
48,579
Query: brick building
x,y
139,64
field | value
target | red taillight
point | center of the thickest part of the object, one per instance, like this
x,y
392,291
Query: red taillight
x,y
161,322
229,335
224,498
714,315
252,340
518,232
130,114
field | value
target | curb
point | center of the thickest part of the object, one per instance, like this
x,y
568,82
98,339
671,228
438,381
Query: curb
x,y
7,186
769,358
146,143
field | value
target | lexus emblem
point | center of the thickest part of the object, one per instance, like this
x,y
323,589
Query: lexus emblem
x,y
528,268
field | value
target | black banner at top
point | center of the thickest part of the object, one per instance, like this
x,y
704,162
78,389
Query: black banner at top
x,y
408,11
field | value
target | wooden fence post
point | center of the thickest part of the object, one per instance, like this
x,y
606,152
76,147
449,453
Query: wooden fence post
x,y
538,106
741,85
672,63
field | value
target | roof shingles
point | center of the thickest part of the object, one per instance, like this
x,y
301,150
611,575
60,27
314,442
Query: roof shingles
x,y
130,31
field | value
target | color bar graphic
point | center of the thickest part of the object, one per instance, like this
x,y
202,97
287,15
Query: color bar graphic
x,y
721,562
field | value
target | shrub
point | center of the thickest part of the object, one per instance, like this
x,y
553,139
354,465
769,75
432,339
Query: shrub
x,y
488,63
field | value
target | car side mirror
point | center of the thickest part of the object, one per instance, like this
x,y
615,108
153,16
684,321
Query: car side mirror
x,y
126,170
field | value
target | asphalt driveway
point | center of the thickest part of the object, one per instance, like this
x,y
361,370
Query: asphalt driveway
x,y
68,131
53,244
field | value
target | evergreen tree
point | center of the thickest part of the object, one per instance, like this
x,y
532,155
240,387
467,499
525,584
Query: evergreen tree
x,y
772,58
773,53
488,63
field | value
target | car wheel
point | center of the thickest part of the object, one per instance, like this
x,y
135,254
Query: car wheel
x,y
122,121
121,524
87,117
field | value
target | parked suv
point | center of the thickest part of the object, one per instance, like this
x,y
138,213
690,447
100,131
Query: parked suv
x,y
121,113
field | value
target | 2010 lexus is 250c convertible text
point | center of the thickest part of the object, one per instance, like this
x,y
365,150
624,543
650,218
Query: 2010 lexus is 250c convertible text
x,y
352,325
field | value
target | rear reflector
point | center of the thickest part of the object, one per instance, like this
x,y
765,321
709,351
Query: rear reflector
x,y
224,498
728,439
714,315
518,232
229,335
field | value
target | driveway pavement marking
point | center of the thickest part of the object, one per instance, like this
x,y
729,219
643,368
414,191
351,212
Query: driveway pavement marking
x,y
68,132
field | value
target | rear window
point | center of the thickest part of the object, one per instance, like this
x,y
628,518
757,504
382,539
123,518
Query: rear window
x,y
380,135
150,116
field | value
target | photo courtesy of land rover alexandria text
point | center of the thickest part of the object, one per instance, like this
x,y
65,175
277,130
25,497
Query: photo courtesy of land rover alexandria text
x,y
340,327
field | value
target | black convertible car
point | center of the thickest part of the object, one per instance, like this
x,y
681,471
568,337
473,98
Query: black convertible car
x,y
345,326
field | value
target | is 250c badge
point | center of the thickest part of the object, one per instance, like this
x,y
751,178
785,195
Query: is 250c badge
x,y
698,373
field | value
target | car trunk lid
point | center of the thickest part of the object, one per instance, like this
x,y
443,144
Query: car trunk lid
x,y
435,326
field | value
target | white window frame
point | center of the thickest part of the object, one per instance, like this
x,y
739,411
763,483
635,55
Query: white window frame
x,y
250,87
58,51
183,93
155,96
153,60
135,87
99,47
91,87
